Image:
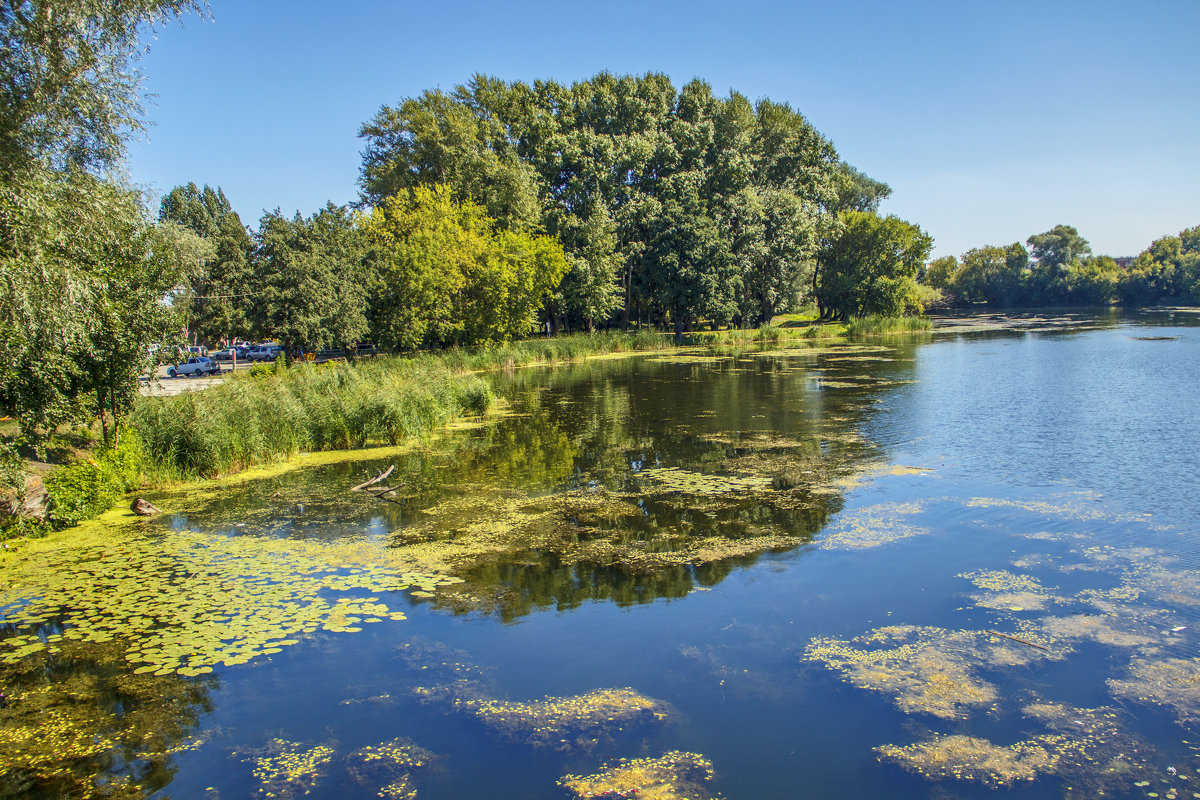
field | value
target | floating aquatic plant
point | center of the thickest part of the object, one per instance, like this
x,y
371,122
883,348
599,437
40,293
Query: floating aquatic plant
x,y
959,757
186,603
557,722
1170,682
924,669
873,526
676,479
1005,590
287,769
673,776
58,729
1085,746
389,767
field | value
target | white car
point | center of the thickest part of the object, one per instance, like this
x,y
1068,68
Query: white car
x,y
200,365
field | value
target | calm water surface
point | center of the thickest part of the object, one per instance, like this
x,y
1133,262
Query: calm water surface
x,y
886,512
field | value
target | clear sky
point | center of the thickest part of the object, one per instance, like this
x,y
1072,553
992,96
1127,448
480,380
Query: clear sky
x,y
991,120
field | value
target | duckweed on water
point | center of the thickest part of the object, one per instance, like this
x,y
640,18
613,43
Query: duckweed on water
x,y
288,769
389,767
557,722
675,479
674,776
1007,591
924,669
1085,747
962,757
185,603
1170,682
60,726
873,526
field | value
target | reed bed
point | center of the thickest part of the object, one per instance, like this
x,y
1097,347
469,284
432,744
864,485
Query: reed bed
x,y
272,412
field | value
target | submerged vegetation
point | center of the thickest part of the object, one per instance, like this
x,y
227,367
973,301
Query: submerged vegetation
x,y
673,776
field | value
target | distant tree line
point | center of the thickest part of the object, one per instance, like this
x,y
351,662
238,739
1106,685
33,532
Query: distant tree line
x,y
1058,268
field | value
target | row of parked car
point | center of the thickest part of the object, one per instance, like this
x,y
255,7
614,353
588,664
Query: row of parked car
x,y
203,362
245,352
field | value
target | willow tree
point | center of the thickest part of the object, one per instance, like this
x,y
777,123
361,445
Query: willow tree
x,y
82,273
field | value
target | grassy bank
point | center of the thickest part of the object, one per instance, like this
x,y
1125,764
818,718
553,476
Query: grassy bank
x,y
272,412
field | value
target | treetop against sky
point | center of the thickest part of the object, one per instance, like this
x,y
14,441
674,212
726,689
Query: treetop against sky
x,y
989,121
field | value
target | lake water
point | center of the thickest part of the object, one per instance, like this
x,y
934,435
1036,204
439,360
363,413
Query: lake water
x,y
949,566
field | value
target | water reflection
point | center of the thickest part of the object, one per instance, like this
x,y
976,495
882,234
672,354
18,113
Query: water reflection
x,y
624,481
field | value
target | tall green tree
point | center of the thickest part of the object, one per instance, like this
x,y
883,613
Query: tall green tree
x,y
80,297
70,95
82,273
1167,271
220,288
991,275
871,267
615,162
313,281
442,273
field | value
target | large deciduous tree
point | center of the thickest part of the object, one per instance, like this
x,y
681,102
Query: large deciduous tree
x,y
312,292
441,273
220,288
82,273
870,267
625,171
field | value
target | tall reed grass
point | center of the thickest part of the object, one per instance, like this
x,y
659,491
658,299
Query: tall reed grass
x,y
272,412
553,350
882,325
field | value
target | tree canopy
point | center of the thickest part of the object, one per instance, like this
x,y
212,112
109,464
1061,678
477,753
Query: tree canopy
x,y
670,204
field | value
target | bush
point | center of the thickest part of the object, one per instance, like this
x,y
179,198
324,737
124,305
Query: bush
x,y
85,489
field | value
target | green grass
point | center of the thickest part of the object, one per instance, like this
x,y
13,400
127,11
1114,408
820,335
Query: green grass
x,y
876,325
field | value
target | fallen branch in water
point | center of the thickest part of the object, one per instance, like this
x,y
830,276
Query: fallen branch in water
x,y
1015,639
380,477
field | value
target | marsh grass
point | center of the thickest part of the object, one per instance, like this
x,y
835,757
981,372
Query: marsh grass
x,y
876,325
269,414
553,350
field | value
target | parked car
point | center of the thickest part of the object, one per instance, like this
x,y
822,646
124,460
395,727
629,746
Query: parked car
x,y
264,352
200,365
227,354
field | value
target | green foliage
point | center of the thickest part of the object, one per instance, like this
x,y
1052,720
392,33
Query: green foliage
x,y
1167,271
82,279
268,415
218,297
672,205
311,274
87,488
442,274
870,267
876,324
12,467
987,276
70,97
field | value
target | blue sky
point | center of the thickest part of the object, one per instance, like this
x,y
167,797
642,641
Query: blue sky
x,y
991,120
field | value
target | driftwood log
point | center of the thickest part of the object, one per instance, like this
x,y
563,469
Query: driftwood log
x,y
377,479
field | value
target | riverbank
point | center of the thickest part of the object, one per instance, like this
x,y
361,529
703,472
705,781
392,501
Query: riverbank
x,y
269,414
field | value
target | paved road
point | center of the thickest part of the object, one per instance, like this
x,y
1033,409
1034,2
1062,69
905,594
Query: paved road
x,y
168,386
